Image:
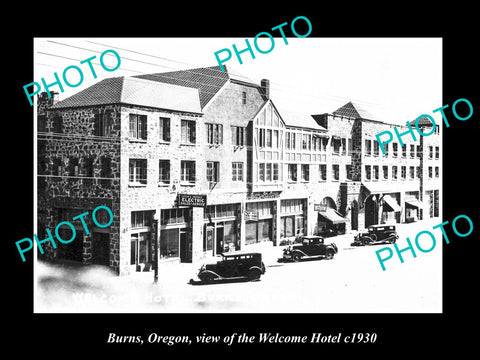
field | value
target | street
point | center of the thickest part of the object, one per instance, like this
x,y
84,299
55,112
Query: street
x,y
352,282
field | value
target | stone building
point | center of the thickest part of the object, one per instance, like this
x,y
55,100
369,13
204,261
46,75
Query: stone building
x,y
202,162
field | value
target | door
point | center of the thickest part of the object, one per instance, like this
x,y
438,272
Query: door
x,y
185,246
101,248
219,239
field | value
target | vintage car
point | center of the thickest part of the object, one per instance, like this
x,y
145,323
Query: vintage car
x,y
309,247
233,266
376,234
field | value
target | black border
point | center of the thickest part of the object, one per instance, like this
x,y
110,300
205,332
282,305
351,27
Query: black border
x,y
409,334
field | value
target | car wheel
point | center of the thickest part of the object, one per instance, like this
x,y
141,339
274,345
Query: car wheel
x,y
296,257
367,241
329,255
254,274
206,277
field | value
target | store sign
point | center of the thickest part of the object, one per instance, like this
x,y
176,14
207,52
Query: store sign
x,y
193,200
319,207
251,215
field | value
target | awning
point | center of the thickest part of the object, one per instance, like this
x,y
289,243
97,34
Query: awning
x,y
332,215
392,203
413,202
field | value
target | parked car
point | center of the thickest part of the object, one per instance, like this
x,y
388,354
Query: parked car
x,y
376,234
309,247
233,266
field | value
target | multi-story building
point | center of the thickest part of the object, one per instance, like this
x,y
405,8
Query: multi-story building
x,y
200,162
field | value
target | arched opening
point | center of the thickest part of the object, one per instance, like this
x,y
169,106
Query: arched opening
x,y
371,210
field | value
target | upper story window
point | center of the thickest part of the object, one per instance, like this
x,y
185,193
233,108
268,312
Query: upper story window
x,y
395,149
213,171
138,126
238,135
188,132
102,124
164,129
187,171
376,148
437,152
214,133
138,171
368,147
164,171
244,97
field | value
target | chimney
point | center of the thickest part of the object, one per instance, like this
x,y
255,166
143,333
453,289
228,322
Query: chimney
x,y
265,85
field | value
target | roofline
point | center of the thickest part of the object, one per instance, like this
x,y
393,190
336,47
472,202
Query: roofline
x,y
122,104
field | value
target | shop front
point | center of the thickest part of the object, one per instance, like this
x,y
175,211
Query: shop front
x,y
176,234
293,219
259,222
221,228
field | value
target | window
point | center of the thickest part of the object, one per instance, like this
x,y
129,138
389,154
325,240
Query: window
x,y
88,164
292,172
350,146
348,171
57,167
419,173
138,126
322,170
404,172
268,172
244,97
336,143
368,172
164,171
404,151
237,171
275,172
368,147
175,216
73,166
344,146
412,172
336,172
394,172
437,152
141,219
430,172
188,132
375,172
430,152
275,139
261,172
395,149
376,148
213,171
385,172
164,129
138,171
290,139
306,142
437,171
412,151
419,151
238,135
214,133
268,138
305,168
385,148
187,171
102,124
58,124
261,137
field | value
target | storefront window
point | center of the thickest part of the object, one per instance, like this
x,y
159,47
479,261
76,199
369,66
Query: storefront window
x,y
139,253
169,243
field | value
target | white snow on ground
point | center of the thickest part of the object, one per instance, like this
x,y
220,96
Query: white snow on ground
x,y
353,282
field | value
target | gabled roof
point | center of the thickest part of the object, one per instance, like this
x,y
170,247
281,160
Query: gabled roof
x,y
300,120
424,121
134,91
207,80
353,110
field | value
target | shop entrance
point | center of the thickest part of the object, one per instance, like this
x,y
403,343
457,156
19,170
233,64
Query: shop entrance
x,y
185,246
101,248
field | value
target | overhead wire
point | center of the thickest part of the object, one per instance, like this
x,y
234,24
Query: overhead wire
x,y
195,83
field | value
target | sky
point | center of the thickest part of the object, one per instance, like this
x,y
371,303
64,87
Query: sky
x,y
394,79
